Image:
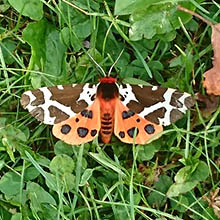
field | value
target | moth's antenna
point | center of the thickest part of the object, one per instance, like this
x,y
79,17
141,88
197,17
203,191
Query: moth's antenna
x,y
102,70
109,72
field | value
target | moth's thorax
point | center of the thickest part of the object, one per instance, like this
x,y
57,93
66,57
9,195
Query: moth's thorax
x,y
107,91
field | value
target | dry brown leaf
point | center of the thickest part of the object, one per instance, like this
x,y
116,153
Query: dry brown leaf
x,y
210,104
212,76
214,201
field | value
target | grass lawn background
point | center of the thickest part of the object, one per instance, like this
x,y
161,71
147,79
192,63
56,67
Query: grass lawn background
x,y
46,43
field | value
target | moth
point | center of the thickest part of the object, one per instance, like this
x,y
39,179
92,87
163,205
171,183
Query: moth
x,y
80,112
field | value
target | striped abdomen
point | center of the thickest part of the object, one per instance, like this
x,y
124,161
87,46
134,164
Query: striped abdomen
x,y
107,112
106,127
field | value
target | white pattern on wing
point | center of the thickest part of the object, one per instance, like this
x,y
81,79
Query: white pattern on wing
x,y
127,94
48,102
154,88
29,107
166,104
87,93
60,87
182,100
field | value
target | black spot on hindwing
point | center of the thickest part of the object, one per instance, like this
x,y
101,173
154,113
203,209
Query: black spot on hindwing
x,y
93,132
65,129
82,132
131,132
149,128
87,113
77,120
127,114
121,134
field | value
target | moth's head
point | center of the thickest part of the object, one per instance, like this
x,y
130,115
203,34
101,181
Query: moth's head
x,y
107,79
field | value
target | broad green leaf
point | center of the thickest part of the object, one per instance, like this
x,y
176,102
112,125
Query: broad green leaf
x,y
65,181
62,148
127,6
201,172
38,196
34,34
181,204
31,173
133,69
179,188
48,50
31,8
35,80
49,212
183,174
187,178
11,139
83,30
145,152
10,184
68,181
8,47
150,21
12,133
55,54
62,164
162,186
65,36
84,4
163,183
17,216
156,199
159,19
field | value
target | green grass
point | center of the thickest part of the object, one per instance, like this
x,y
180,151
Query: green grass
x,y
44,178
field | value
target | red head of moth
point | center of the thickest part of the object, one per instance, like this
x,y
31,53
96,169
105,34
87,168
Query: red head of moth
x,y
80,112
108,80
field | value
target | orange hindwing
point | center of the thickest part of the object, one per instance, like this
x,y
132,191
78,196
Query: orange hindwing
x,y
81,128
126,122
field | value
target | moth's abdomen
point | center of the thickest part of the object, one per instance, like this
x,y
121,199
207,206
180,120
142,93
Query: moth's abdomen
x,y
106,127
107,111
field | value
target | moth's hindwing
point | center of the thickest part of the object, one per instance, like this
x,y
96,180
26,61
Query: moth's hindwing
x,y
81,128
161,106
52,105
129,127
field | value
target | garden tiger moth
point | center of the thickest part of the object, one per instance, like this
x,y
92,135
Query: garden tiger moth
x,y
80,112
